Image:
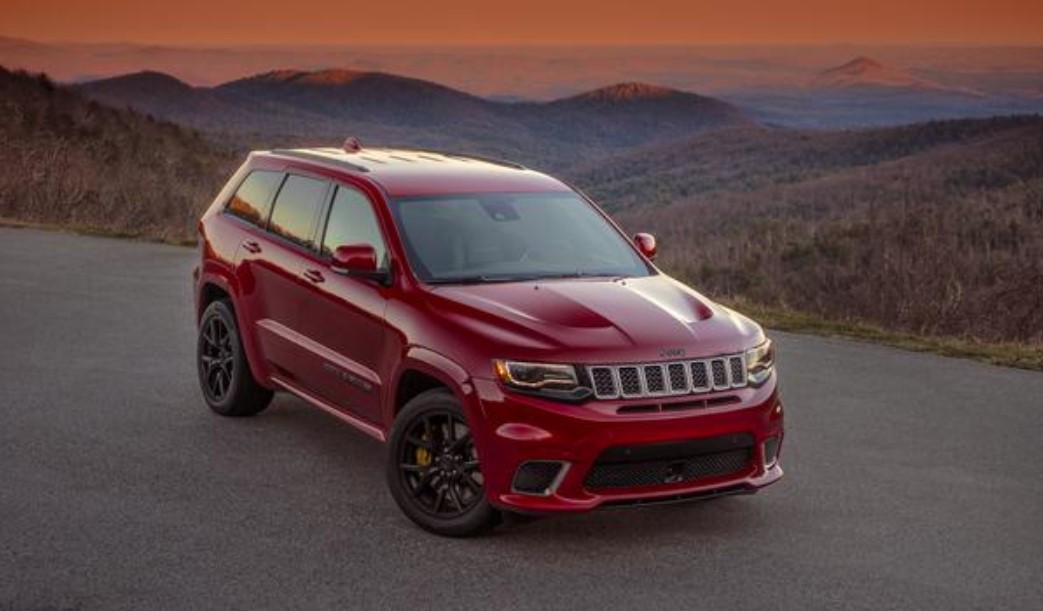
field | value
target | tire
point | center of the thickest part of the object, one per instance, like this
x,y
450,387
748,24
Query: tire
x,y
228,385
433,469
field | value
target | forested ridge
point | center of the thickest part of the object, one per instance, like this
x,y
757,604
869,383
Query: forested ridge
x,y
73,162
934,228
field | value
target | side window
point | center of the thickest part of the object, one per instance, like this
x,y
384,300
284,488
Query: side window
x,y
253,199
352,221
295,209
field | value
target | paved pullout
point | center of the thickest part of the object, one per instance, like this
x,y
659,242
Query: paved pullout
x,y
913,481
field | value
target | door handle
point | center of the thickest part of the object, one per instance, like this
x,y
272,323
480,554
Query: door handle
x,y
251,246
314,275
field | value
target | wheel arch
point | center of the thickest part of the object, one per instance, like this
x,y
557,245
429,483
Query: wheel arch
x,y
422,370
214,285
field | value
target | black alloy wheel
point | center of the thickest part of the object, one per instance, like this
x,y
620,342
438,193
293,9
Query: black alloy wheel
x,y
216,358
434,471
439,465
228,385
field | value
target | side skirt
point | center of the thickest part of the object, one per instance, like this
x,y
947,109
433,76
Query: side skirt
x,y
358,423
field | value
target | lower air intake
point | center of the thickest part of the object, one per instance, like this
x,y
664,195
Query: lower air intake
x,y
537,477
671,463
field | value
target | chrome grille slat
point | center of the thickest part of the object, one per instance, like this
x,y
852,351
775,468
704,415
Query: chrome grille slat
x,y
655,380
737,371
700,373
630,383
680,385
673,378
719,374
604,382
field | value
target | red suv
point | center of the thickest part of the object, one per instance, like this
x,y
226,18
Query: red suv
x,y
513,348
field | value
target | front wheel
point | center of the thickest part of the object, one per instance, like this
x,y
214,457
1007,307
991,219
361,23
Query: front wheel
x,y
433,468
224,373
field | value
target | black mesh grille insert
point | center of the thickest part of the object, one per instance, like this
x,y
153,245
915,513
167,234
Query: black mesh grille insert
x,y
654,382
700,377
536,477
678,379
629,381
720,373
670,463
604,385
738,371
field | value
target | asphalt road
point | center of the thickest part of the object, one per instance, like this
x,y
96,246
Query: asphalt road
x,y
913,481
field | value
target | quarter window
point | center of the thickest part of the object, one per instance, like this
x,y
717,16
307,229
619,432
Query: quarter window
x,y
296,207
253,200
352,221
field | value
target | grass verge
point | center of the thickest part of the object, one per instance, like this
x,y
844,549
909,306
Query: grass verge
x,y
1008,354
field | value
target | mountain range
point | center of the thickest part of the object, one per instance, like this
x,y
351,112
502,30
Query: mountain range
x,y
293,106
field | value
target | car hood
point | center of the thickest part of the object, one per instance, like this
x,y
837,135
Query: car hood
x,y
608,320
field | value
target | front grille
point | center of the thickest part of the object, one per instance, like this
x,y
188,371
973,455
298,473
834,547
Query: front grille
x,y
668,379
671,463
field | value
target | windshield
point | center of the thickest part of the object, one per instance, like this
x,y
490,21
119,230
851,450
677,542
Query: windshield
x,y
501,237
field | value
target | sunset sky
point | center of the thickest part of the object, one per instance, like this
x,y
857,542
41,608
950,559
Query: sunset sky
x,y
476,22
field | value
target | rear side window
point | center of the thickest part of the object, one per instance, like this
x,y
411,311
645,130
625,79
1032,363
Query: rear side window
x,y
296,208
352,221
253,199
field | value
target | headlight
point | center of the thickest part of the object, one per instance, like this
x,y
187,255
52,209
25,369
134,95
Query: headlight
x,y
760,362
547,379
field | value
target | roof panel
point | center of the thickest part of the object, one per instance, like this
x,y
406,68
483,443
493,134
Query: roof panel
x,y
416,172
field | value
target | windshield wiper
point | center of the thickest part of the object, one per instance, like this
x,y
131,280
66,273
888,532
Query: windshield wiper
x,y
481,279
580,274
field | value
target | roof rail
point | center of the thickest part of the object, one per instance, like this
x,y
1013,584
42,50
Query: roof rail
x,y
317,157
492,160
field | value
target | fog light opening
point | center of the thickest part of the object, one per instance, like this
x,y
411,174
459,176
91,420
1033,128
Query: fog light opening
x,y
539,477
771,452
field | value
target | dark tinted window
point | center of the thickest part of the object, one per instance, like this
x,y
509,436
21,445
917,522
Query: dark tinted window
x,y
296,206
254,197
352,221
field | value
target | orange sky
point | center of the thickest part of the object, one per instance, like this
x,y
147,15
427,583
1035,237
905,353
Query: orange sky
x,y
196,22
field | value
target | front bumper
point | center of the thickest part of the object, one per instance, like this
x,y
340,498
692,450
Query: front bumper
x,y
518,429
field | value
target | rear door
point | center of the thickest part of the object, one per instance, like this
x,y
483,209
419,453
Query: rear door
x,y
343,317
270,271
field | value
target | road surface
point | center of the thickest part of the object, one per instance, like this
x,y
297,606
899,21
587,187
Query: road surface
x,y
913,481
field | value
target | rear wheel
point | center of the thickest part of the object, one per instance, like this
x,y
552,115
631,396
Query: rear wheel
x,y
434,472
224,373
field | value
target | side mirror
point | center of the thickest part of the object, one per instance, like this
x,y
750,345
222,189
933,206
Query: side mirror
x,y
358,260
645,242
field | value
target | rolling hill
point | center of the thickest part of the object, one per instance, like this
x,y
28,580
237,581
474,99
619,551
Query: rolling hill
x,y
71,161
327,104
868,73
933,228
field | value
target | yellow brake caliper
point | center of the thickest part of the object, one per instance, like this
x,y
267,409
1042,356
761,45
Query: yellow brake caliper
x,y
423,455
